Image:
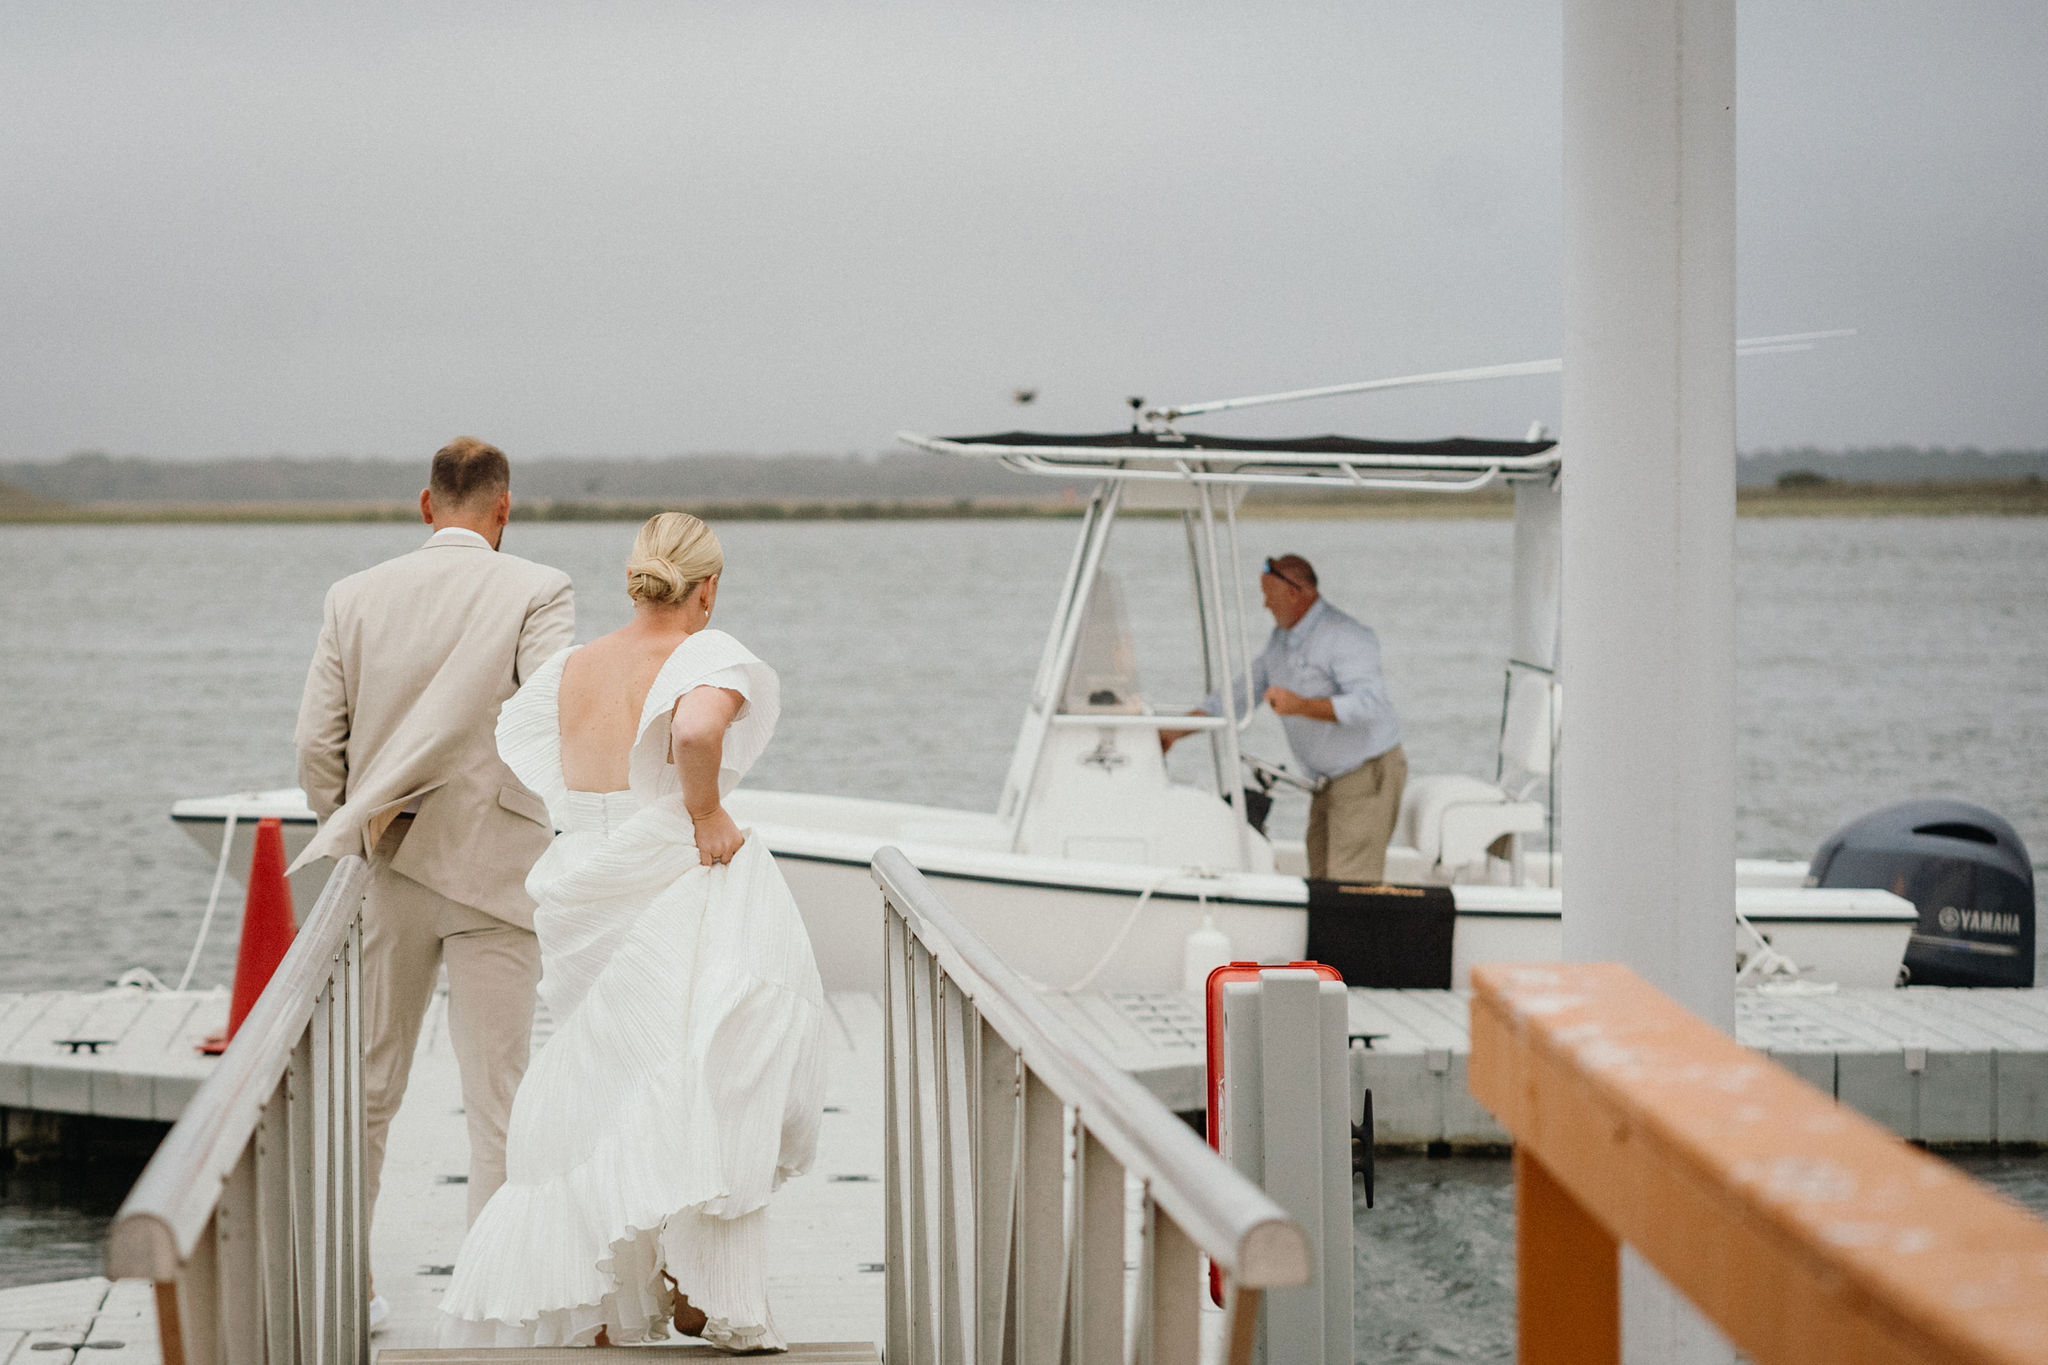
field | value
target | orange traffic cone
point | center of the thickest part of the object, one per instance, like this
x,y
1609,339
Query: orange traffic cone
x,y
267,928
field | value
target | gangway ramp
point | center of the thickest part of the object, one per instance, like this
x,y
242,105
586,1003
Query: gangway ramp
x,y
825,1227
799,1353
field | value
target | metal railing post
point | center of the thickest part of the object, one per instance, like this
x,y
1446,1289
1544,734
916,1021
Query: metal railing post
x,y
275,1242
1096,1291
1041,1223
1005,1246
304,1195
355,1306
957,1166
924,1158
238,1284
899,1104
249,1218
997,1105
1170,1309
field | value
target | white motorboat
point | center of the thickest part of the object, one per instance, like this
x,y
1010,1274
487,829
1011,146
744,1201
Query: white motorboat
x,y
1098,863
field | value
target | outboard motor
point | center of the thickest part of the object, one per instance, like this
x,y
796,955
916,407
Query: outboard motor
x,y
1967,873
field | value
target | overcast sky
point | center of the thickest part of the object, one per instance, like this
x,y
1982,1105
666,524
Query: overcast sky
x,y
757,226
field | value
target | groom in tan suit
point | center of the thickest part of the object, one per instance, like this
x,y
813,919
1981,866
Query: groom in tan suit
x,y
399,759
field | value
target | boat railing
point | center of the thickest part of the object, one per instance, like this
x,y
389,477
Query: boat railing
x,y
249,1218
1801,1229
1008,1143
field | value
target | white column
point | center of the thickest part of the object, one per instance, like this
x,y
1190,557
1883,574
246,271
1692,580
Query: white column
x,y
1649,525
1649,492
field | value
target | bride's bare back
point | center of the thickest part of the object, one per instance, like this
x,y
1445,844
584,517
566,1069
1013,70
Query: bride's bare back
x,y
604,685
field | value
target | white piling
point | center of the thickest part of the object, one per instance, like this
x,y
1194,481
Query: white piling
x,y
1649,505
1649,522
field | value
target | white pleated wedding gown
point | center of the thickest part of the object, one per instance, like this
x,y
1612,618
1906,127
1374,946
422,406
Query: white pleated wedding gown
x,y
684,1080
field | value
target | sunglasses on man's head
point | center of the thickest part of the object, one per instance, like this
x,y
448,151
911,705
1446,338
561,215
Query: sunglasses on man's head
x,y
1300,587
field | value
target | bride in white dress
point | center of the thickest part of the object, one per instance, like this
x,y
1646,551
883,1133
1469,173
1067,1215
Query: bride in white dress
x,y
684,1080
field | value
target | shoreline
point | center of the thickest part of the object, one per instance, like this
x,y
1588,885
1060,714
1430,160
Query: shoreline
x,y
2014,498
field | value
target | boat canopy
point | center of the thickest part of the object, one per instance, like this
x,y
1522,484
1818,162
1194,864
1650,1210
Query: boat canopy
x,y
1314,445
1457,464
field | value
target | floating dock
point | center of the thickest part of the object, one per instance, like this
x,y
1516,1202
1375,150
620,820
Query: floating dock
x,y
1948,1067
1943,1066
91,1320
125,1053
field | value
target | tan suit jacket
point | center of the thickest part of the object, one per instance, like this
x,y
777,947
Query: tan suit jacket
x,y
401,704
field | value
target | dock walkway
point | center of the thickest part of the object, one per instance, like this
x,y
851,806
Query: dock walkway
x,y
825,1228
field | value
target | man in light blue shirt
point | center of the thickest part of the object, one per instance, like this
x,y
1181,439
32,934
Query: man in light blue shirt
x,y
1320,672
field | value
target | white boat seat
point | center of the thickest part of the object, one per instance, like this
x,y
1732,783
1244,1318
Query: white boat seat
x,y
1452,820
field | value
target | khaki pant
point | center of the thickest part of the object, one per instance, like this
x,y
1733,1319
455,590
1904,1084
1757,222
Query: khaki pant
x,y
493,967
1351,820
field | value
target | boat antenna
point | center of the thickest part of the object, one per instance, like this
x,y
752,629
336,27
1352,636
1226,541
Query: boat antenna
x,y
1770,345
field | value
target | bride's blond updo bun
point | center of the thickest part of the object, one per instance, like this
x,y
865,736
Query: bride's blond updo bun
x,y
673,553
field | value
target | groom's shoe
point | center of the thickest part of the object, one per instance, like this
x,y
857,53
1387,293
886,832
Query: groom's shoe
x,y
380,1312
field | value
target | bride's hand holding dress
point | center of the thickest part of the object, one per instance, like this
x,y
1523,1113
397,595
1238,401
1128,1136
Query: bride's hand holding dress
x,y
696,739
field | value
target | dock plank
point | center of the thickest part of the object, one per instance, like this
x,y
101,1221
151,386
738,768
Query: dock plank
x,y
19,1011
60,1306
800,1353
45,1324
124,1331
147,1064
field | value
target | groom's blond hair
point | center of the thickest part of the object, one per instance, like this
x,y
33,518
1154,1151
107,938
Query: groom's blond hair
x,y
673,553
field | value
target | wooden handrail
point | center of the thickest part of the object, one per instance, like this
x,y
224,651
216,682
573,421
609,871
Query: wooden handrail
x,y
160,1221
1234,1222
1805,1231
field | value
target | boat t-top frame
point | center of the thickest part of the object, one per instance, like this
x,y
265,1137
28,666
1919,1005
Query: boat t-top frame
x,y
1155,464
1205,478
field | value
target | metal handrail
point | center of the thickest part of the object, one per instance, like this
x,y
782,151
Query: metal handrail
x,y
241,1141
1219,1210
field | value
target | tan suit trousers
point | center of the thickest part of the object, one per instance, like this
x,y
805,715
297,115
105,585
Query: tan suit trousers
x,y
493,967
1351,820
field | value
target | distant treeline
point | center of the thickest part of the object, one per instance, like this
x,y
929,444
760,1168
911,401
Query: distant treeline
x,y
568,486
1888,464
904,476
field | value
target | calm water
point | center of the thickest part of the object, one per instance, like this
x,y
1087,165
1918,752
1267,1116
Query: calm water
x,y
1878,660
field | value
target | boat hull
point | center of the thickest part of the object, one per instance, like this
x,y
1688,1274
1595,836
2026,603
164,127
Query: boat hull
x,y
1064,936
1071,924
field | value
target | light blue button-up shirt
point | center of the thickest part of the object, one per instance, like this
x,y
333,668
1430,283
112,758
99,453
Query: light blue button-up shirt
x,y
1325,654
